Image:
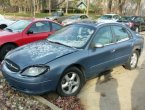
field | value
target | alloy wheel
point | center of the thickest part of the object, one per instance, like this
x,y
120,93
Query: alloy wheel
x,y
70,83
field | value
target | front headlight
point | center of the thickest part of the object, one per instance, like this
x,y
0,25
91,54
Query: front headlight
x,y
35,70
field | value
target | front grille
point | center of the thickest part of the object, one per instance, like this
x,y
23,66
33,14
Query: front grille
x,y
12,66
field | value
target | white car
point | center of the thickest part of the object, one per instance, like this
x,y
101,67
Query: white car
x,y
5,22
108,18
74,18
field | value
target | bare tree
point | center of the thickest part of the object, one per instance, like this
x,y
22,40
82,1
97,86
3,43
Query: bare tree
x,y
138,6
88,5
66,10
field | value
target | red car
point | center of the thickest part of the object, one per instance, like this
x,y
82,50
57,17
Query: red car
x,y
23,32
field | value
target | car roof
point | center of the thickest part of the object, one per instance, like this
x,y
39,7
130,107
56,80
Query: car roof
x,y
36,20
96,24
78,15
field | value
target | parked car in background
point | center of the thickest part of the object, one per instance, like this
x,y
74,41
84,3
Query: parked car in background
x,y
55,16
23,32
5,22
108,18
69,57
74,18
136,23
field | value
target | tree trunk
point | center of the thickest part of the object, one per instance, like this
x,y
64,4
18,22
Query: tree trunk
x,y
88,4
49,6
109,6
66,10
138,10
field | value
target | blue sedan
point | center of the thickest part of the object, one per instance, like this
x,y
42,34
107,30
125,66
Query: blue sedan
x,y
66,59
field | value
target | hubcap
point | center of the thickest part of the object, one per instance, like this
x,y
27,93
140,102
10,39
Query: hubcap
x,y
70,83
133,60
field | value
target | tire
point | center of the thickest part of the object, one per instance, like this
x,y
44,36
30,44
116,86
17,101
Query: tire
x,y
5,49
2,26
133,61
71,82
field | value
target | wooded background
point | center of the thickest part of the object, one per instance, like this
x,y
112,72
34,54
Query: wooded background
x,y
122,7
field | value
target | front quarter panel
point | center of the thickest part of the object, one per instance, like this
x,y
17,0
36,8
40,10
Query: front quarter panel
x,y
58,66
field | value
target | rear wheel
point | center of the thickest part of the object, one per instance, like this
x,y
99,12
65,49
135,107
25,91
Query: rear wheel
x,y
133,61
71,82
5,49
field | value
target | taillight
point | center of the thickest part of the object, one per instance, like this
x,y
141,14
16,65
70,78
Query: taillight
x,y
130,24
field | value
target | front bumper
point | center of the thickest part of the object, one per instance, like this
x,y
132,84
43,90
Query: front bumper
x,y
29,85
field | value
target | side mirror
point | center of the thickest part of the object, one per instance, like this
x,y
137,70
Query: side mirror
x,y
98,45
30,32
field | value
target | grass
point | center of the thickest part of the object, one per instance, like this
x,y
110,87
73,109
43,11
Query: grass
x,y
37,15
43,15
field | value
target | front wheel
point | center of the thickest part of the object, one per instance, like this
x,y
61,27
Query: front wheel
x,y
71,82
133,61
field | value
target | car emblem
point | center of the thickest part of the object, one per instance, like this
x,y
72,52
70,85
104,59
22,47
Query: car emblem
x,y
11,65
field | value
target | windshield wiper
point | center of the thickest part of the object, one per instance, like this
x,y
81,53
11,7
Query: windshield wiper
x,y
10,30
61,44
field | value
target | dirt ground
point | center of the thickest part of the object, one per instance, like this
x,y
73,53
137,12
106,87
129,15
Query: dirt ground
x,y
125,90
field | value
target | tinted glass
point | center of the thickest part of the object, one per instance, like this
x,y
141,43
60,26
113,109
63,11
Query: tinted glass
x,y
138,19
106,17
56,26
120,33
104,36
40,27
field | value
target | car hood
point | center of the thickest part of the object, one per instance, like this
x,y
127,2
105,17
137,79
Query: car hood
x,y
105,20
40,52
7,21
6,33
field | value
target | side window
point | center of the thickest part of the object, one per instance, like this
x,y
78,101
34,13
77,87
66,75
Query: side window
x,y
82,17
40,27
120,33
56,27
116,17
138,19
104,36
85,16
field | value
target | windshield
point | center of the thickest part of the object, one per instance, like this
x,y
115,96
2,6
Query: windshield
x,y
125,18
74,17
106,17
73,35
18,26
57,14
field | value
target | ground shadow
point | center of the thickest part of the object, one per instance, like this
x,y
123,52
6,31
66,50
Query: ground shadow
x,y
138,90
109,99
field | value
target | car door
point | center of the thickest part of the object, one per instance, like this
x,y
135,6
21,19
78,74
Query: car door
x,y
124,43
101,58
37,31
